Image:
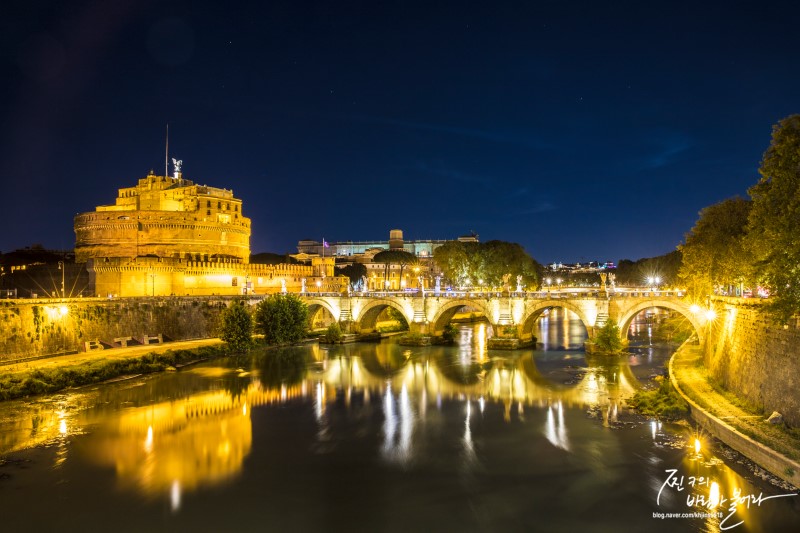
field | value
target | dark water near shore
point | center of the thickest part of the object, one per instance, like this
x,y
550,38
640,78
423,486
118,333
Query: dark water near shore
x,y
374,437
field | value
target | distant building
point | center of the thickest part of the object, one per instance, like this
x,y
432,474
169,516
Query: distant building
x,y
379,275
421,248
170,236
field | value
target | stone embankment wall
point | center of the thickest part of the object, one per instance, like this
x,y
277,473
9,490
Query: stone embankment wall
x,y
35,327
754,357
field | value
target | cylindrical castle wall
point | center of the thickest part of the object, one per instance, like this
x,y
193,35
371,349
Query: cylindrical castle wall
x,y
159,233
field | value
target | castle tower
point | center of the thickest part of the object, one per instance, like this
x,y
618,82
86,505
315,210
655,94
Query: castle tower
x,y
166,217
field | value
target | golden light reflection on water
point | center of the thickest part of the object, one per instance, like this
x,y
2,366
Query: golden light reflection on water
x,y
199,440
168,448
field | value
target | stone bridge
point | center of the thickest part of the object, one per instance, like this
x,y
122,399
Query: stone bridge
x,y
511,315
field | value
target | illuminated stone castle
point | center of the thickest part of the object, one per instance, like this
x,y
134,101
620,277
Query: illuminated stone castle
x,y
170,236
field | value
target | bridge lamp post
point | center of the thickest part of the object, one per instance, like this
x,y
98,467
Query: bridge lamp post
x,y
549,281
319,285
62,269
558,282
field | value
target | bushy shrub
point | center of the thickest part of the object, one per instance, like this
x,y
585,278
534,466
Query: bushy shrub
x,y
282,318
333,333
237,327
608,338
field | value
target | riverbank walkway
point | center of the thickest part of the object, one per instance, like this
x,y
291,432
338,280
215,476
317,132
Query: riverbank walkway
x,y
731,420
110,354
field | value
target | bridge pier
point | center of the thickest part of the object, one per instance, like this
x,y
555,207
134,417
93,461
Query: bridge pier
x,y
421,328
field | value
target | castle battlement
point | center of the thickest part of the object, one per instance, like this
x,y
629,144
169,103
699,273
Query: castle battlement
x,y
166,216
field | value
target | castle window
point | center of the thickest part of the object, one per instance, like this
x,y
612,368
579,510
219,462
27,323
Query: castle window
x,y
219,205
208,212
208,203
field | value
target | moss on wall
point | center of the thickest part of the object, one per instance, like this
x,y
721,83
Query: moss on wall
x,y
36,327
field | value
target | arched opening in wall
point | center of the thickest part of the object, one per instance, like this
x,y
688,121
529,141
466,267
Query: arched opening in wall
x,y
319,318
556,328
383,318
657,326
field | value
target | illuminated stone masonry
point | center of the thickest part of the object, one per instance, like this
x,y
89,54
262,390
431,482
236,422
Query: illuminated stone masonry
x,y
170,236
166,217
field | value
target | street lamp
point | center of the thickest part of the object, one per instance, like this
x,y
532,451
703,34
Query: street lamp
x,y
319,284
61,268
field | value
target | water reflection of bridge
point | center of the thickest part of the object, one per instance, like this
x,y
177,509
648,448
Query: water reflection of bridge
x,y
159,445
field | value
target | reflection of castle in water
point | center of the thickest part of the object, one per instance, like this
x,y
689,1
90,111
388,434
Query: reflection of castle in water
x,y
202,439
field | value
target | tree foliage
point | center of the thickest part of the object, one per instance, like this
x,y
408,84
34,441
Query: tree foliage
x,y
467,263
635,273
395,257
608,338
716,253
774,222
354,272
333,333
282,318
237,327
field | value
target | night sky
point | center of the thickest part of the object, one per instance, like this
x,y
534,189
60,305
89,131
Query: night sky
x,y
582,130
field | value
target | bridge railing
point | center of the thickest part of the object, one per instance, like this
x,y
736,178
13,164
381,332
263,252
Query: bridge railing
x,y
553,294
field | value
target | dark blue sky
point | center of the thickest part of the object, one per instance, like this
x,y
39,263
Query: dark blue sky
x,y
583,130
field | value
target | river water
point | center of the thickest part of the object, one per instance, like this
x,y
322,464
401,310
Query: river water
x,y
377,437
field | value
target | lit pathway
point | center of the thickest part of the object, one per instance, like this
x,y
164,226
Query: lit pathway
x,y
107,354
691,376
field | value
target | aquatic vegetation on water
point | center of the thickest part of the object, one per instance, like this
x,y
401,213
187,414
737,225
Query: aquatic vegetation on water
x,y
663,402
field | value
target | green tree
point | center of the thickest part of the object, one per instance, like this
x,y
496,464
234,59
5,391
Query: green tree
x,y
635,273
500,258
773,225
394,257
237,327
282,318
466,264
451,258
354,272
716,253
608,338
334,333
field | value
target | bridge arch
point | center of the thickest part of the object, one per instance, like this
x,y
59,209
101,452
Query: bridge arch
x,y
533,310
626,317
367,315
447,311
314,305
